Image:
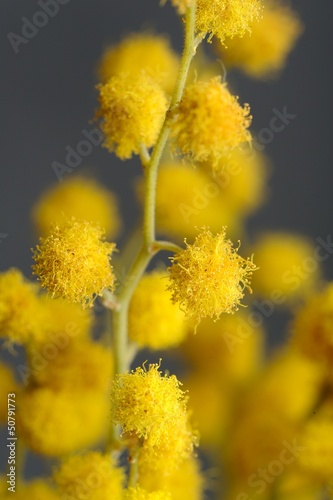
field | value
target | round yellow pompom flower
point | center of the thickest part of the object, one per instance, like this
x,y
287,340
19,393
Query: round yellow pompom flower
x,y
287,266
264,52
138,52
80,419
77,197
222,18
74,263
147,403
208,278
21,316
92,476
132,111
153,321
209,122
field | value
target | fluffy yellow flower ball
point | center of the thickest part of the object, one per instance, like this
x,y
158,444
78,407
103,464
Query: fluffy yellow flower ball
x,y
64,320
141,52
209,122
55,423
81,365
263,53
132,111
287,266
21,317
153,321
208,278
77,197
223,18
147,403
197,199
291,397
92,475
74,263
186,481
242,177
312,330
174,446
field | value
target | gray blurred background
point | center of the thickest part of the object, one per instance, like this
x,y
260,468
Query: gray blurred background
x,y
48,98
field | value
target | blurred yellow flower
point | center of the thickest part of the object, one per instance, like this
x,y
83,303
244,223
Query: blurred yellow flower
x,y
21,317
186,481
263,52
287,266
55,423
139,52
138,493
153,321
77,197
91,475
312,329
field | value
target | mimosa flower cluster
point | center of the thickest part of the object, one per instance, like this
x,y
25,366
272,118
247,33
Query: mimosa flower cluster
x,y
112,424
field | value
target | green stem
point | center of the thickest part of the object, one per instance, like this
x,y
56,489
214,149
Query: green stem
x,y
134,469
151,177
120,317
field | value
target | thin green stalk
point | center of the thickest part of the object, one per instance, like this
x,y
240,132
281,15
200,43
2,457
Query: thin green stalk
x,y
120,316
151,176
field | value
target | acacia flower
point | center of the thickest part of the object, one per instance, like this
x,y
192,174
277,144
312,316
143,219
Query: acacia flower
x,y
208,278
81,417
264,52
153,321
141,51
77,197
209,122
147,403
21,316
223,18
97,472
74,263
185,481
132,111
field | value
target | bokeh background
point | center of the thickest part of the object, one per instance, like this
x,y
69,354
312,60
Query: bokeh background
x,y
48,98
